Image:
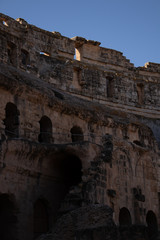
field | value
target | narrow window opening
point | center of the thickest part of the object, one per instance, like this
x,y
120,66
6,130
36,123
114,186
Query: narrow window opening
x,y
41,220
11,120
11,52
78,74
78,53
140,93
77,134
109,87
75,54
25,57
45,54
45,135
5,23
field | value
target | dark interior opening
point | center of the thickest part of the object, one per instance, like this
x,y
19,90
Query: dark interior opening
x,y
125,217
25,57
140,93
77,134
11,121
68,170
152,225
109,86
45,135
11,51
8,219
41,220
71,170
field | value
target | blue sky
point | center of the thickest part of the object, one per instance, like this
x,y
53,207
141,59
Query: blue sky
x,y
129,26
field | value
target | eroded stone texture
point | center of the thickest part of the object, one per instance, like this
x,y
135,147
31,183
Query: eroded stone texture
x,y
76,136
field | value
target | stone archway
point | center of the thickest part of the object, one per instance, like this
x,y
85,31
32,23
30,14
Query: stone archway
x,y
8,218
125,223
125,217
152,226
45,135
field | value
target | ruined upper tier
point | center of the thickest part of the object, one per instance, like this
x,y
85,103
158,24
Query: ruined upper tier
x,y
80,67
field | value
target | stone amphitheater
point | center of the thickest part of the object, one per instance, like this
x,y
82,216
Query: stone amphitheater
x,y
79,139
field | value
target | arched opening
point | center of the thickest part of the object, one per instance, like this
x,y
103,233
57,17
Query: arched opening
x,y
11,121
152,225
41,220
76,134
65,169
71,170
8,219
125,217
68,172
78,53
45,135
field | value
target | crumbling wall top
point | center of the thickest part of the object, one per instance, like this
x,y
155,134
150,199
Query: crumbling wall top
x,y
36,40
155,67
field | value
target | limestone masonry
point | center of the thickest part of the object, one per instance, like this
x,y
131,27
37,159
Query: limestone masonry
x,y
79,139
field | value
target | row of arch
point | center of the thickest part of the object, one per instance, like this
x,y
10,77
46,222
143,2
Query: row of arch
x,y
9,219
11,123
125,220
41,220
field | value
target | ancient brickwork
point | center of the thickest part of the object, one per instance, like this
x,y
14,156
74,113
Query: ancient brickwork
x,y
79,136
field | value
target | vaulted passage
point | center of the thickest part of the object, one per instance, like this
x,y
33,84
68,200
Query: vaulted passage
x,y
8,219
152,225
41,221
65,169
69,169
11,121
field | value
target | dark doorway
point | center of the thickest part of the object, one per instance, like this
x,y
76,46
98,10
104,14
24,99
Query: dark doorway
x,y
11,121
45,135
125,217
76,134
152,225
8,219
41,221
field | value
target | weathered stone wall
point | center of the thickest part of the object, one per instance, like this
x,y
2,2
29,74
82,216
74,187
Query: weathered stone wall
x,y
75,134
50,56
